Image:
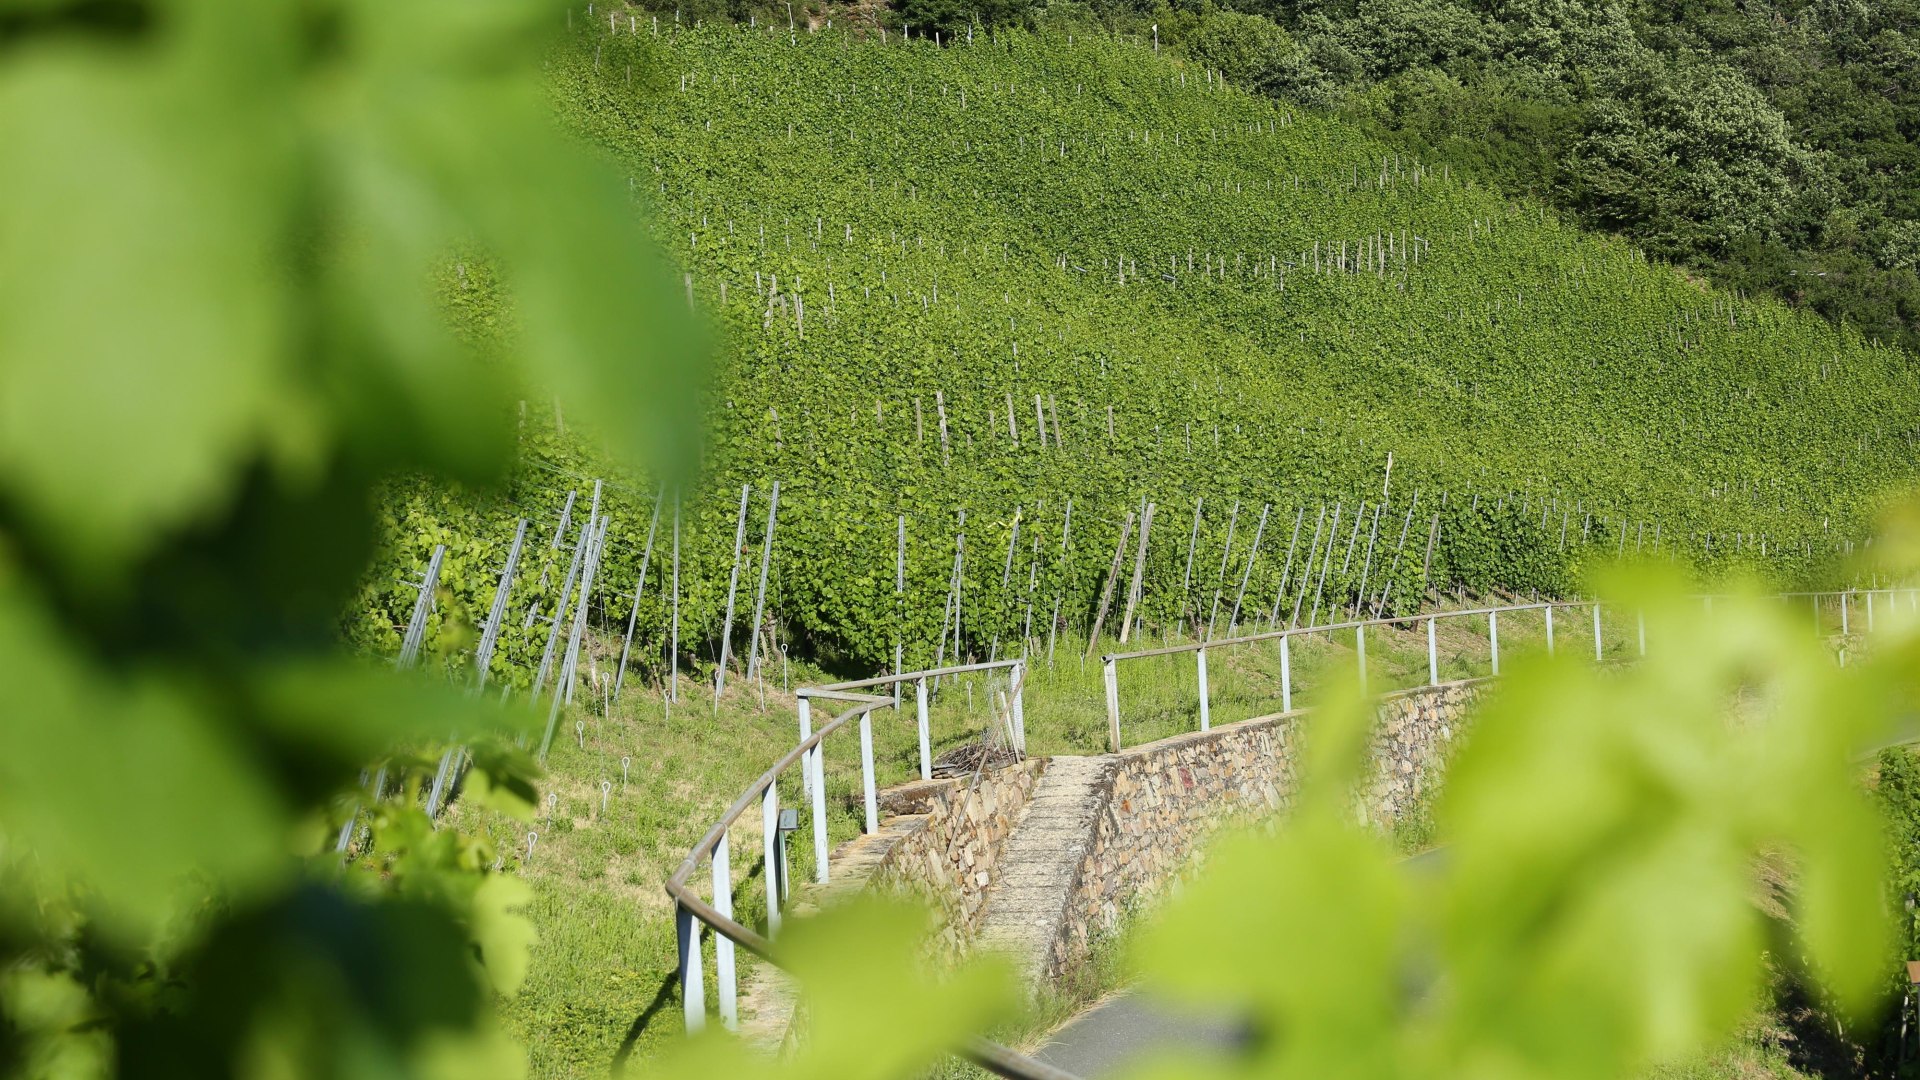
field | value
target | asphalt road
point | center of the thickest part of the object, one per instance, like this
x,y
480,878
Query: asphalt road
x,y
1125,1029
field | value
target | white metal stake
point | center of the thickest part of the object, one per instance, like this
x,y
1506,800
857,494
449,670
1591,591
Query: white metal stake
x,y
1433,654
1200,657
760,597
1360,649
722,944
693,988
1549,629
769,853
1111,677
733,585
1493,637
866,772
1286,673
1597,657
920,715
1843,614
1869,611
633,614
1640,619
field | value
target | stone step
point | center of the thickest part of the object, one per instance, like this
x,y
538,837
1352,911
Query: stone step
x,y
1040,865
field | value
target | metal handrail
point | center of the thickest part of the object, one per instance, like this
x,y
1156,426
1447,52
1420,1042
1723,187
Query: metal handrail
x,y
1110,661
690,909
1199,649
1321,628
1000,1060
914,676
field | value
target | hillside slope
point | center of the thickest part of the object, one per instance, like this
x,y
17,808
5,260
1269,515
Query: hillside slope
x,y
1210,296
891,237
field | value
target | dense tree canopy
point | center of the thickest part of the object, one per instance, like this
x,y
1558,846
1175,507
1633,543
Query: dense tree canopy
x,y
1771,145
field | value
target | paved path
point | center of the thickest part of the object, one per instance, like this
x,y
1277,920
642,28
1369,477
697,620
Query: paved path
x,y
1124,1030
1026,905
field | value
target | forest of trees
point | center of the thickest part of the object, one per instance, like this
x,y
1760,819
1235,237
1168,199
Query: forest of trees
x,y
1770,145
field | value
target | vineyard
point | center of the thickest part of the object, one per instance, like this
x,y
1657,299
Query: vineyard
x,y
981,303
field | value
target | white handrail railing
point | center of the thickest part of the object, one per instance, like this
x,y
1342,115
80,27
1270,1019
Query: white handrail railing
x,y
691,910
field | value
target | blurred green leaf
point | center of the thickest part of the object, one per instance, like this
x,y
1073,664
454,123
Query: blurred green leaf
x,y
123,781
871,1014
503,932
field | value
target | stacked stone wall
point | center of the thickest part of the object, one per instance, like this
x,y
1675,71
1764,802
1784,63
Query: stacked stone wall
x,y
1167,797
1160,803
949,856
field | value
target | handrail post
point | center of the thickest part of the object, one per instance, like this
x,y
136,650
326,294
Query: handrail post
x,y
920,714
1549,629
819,816
1640,621
1020,706
1433,653
1286,673
1869,611
1598,647
1843,613
806,732
1111,677
866,772
1201,667
770,853
1360,649
693,988
722,944
1493,636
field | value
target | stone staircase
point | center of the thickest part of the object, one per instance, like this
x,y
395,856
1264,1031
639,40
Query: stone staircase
x,y
1040,865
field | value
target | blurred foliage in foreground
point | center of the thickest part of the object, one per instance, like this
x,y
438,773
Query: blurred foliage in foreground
x,y
217,333
1594,913
218,330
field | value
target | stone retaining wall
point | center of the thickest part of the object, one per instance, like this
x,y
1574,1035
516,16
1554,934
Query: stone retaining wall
x,y
943,838
949,853
1166,797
